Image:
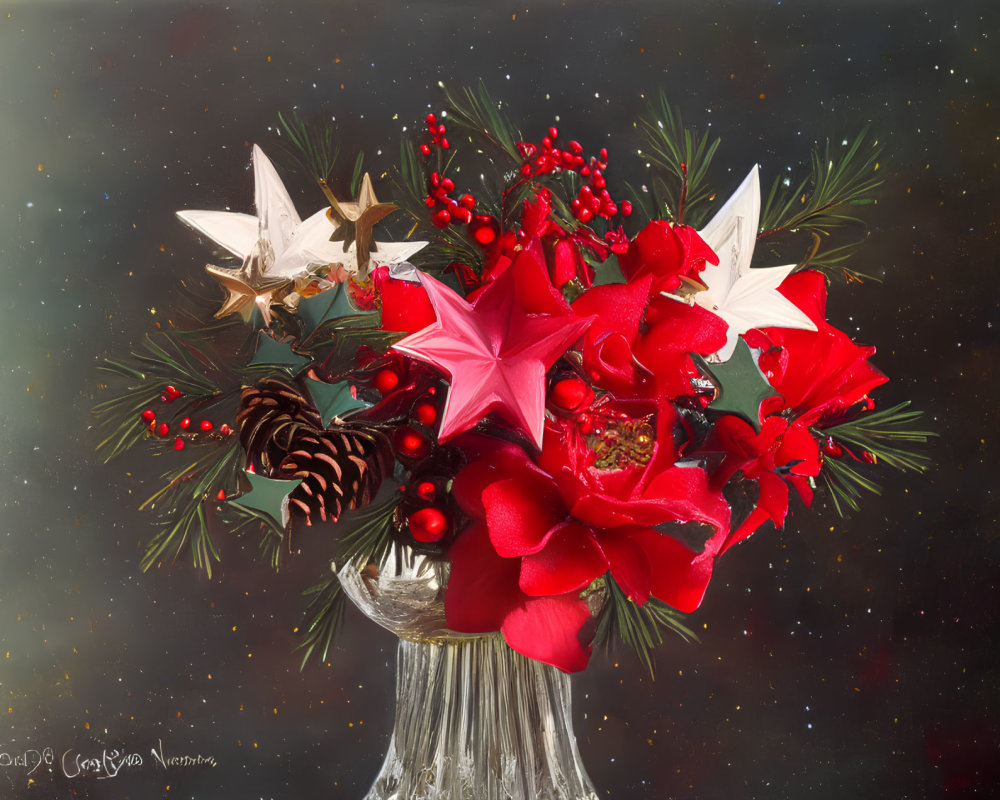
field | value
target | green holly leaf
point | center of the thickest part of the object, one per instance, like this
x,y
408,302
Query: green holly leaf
x,y
608,272
741,385
280,354
331,304
333,399
269,497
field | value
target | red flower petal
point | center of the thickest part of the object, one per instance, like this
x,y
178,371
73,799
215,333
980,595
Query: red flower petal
x,y
548,629
521,514
569,561
482,587
679,575
628,563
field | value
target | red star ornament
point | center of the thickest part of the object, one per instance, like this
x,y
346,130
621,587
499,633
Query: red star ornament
x,y
495,352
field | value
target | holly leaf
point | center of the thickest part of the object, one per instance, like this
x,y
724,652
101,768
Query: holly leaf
x,y
608,272
740,385
333,399
331,304
268,496
277,353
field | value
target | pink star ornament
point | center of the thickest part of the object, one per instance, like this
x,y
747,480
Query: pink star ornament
x,y
495,353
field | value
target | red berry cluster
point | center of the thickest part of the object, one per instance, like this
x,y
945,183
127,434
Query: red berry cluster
x,y
437,131
448,210
162,429
593,198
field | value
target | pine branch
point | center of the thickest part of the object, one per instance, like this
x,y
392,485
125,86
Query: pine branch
x,y
834,263
820,202
685,154
321,619
637,626
344,335
887,437
151,370
476,111
241,520
310,146
369,533
181,506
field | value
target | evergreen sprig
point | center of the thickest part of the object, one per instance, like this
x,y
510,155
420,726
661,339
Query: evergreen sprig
x,y
151,369
321,619
888,436
686,155
365,532
311,146
182,501
476,111
822,200
639,627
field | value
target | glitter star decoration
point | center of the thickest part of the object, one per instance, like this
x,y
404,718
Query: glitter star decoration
x,y
495,354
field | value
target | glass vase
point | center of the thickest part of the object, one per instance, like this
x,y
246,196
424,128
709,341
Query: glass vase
x,y
474,719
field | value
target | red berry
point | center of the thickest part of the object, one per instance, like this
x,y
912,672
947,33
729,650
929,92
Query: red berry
x,y
568,394
832,449
225,430
428,524
148,415
172,392
575,147
425,412
444,143
385,380
221,495
425,149
467,201
441,219
185,423
553,134
440,130
435,179
178,443
484,229
585,215
462,215
411,443
448,185
164,398
205,425
426,491
626,208
431,120
162,429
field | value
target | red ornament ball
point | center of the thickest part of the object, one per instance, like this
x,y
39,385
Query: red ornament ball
x,y
425,412
568,394
426,491
428,524
411,443
484,229
386,380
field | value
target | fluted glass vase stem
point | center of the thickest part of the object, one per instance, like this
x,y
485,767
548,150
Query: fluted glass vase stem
x,y
477,721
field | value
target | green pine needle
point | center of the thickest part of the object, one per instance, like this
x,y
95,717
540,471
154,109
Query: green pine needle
x,y
821,201
888,436
312,147
365,532
477,112
321,619
637,626
181,504
685,154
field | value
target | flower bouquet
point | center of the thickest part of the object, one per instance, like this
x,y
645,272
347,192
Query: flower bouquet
x,y
533,428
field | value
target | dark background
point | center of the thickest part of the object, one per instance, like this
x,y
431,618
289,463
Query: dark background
x,y
838,659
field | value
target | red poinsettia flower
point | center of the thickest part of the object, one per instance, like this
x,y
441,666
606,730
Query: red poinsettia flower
x,y
544,532
819,374
667,252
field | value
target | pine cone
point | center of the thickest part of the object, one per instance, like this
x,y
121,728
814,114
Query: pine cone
x,y
341,467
